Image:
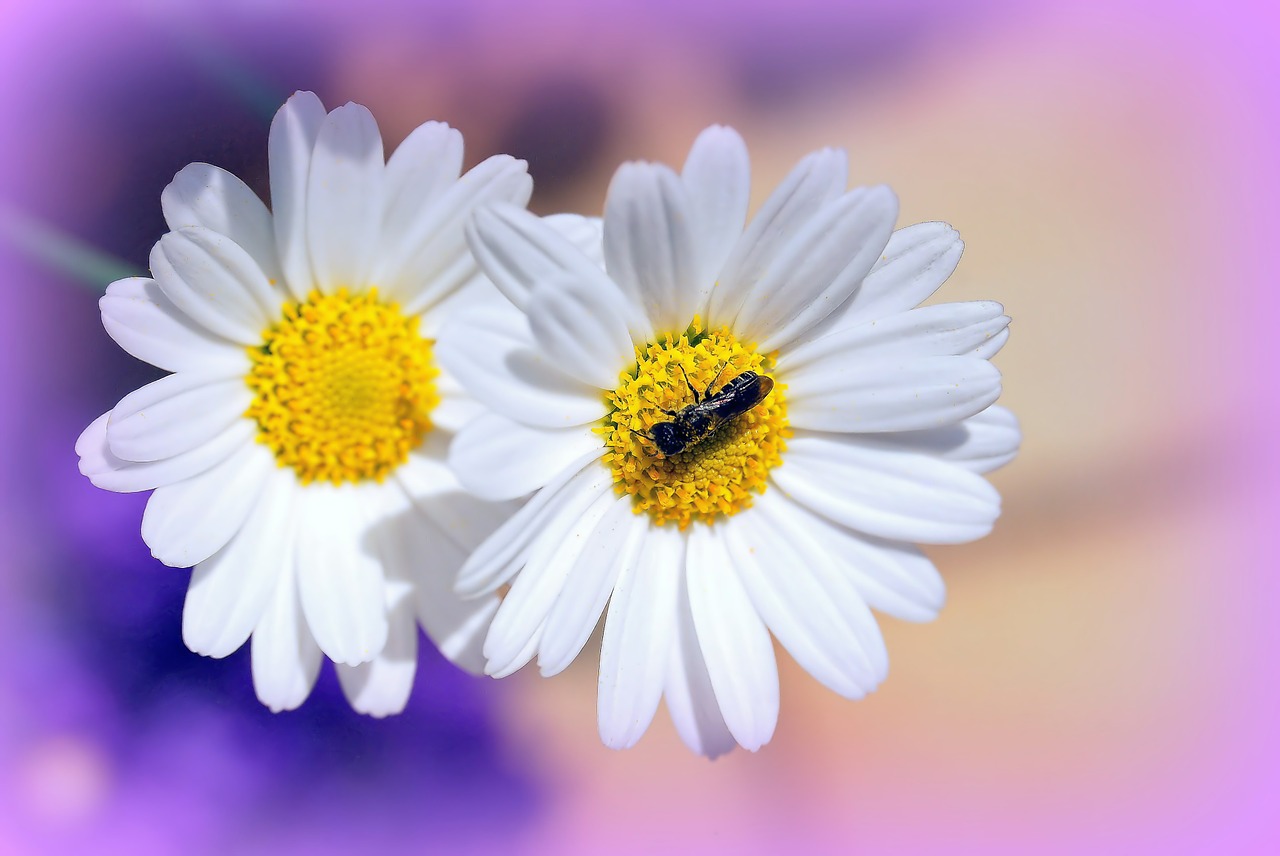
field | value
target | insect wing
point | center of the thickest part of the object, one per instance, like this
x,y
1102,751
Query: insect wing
x,y
739,395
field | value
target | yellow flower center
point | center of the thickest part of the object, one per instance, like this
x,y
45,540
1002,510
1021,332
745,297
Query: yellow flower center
x,y
344,387
717,474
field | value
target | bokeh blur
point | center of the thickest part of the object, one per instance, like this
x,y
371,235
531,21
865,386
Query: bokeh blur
x,y
1103,678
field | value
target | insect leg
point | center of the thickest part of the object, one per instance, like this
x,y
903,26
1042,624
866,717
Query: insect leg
x,y
697,396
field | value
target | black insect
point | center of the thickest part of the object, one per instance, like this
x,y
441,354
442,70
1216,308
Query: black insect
x,y
694,423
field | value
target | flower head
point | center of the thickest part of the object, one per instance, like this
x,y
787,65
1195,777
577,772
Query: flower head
x,y
730,429
296,451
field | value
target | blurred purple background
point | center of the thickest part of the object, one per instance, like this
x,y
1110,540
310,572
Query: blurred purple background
x,y
1104,676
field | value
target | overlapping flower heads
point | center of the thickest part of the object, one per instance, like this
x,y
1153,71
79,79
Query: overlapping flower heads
x,y
723,429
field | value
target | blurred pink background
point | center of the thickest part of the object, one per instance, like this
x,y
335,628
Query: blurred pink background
x,y
1103,678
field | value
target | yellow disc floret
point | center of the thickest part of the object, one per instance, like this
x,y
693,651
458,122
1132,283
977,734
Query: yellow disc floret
x,y
721,473
344,387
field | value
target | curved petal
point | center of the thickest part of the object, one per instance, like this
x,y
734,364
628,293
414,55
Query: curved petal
x,y
434,490
534,591
457,626
432,259
208,196
733,639
381,686
822,626
108,472
285,657
717,179
818,269
518,250
421,168
491,353
980,444
345,193
941,330
816,180
892,577
887,492
584,233
174,415
638,635
648,245
187,522
916,262
584,329
610,549
215,283
496,458
289,150
340,581
890,395
230,590
144,322
416,548
691,700
503,553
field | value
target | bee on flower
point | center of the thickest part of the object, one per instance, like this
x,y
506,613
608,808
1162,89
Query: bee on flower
x,y
729,430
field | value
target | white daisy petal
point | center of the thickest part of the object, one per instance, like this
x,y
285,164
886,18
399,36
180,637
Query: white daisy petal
x,y
109,472
817,270
717,179
533,593
818,624
892,577
215,283
518,250
289,151
816,180
381,686
345,193
144,322
648,246
230,590
187,522
434,490
887,492
638,635
175,414
980,444
340,582
456,625
501,555
285,657
584,329
419,547
496,458
432,260
421,168
208,196
585,233
992,346
691,700
890,395
612,547
733,639
945,329
917,260
491,354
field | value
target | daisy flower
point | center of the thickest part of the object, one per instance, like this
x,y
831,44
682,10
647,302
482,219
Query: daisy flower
x,y
296,451
730,430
